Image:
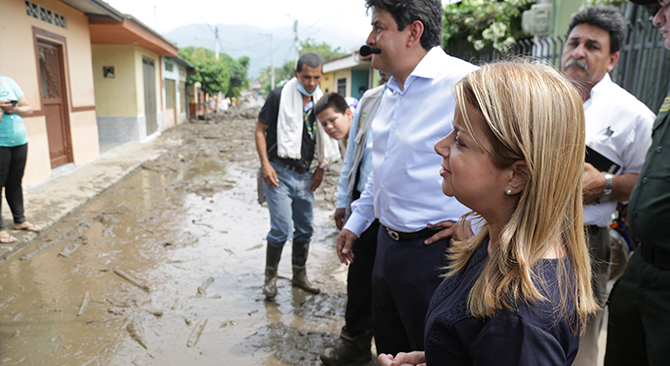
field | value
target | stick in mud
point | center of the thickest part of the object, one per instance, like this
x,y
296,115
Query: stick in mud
x,y
195,334
72,246
83,304
8,300
136,334
202,289
130,279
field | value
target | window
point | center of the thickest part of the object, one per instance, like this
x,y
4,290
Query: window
x,y
342,86
42,13
169,66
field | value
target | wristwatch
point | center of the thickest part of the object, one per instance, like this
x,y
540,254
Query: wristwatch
x,y
323,166
607,192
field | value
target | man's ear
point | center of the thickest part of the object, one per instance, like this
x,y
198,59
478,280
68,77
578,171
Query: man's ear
x,y
348,113
613,60
518,176
415,32
295,73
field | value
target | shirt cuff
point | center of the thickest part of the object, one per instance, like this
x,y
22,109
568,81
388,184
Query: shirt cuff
x,y
357,224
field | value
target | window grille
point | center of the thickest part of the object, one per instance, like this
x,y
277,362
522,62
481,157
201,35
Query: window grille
x,y
39,12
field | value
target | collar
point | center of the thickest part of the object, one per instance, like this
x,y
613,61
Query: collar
x,y
427,68
603,84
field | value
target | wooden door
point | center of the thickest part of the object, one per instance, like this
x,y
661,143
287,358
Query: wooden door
x,y
149,71
54,102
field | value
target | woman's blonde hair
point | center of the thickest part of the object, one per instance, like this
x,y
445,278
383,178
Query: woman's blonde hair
x,y
534,114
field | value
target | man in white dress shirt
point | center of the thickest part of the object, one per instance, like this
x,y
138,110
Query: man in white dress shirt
x,y
403,190
618,126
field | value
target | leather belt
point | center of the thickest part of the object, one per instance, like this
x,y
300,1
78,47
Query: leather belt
x,y
399,235
657,257
292,168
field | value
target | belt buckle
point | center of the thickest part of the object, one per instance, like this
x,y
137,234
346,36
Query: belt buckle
x,y
392,233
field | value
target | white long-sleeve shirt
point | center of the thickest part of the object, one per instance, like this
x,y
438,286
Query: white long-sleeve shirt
x,y
404,189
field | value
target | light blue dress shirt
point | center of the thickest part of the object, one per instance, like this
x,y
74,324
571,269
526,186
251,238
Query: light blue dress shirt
x,y
365,164
404,189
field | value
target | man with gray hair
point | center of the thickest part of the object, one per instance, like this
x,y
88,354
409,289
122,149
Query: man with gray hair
x,y
618,134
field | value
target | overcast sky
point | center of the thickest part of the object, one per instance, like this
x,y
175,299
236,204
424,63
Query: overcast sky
x,y
170,14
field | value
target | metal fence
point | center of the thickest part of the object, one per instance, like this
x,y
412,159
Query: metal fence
x,y
643,68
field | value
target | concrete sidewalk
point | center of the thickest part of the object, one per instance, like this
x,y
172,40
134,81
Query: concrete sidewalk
x,y
50,201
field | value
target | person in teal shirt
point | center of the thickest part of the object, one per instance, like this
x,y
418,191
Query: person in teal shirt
x,y
13,153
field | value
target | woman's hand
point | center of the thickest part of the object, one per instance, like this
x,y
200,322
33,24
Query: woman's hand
x,y
416,358
23,107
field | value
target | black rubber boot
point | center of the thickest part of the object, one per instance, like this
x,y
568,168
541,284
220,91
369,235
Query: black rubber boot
x,y
272,257
299,257
348,351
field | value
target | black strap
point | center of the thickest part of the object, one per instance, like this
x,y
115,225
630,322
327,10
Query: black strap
x,y
655,256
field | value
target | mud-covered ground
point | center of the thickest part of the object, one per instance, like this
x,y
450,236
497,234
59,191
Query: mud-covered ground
x,y
166,268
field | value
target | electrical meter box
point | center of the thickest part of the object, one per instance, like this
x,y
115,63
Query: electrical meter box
x,y
539,20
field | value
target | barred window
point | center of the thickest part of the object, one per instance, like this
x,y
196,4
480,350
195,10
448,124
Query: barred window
x,y
39,12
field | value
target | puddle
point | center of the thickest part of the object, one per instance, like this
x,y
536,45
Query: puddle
x,y
132,276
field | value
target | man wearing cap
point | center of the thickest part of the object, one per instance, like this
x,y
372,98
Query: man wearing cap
x,y
638,330
618,130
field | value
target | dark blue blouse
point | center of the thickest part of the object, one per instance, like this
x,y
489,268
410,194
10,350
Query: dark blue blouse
x,y
533,334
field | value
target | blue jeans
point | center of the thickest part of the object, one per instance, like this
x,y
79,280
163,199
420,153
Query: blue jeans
x,y
290,205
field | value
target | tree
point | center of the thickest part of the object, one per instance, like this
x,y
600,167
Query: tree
x,y
226,75
238,74
484,23
282,74
322,49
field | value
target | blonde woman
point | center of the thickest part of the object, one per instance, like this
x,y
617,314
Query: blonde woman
x,y
518,292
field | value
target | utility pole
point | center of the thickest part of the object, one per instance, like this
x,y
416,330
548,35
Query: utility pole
x,y
155,19
216,46
297,42
272,60
219,95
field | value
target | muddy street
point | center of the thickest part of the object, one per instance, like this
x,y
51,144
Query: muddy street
x,y
166,268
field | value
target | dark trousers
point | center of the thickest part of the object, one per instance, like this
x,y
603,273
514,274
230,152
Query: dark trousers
x,y
405,275
358,315
12,165
600,248
638,329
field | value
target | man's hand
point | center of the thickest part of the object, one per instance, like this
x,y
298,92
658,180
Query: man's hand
x,y
270,176
344,243
594,183
317,177
339,217
457,230
416,358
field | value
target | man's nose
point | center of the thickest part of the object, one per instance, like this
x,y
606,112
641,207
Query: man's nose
x,y
579,52
371,39
659,19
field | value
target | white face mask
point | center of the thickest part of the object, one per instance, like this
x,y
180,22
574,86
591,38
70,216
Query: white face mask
x,y
302,90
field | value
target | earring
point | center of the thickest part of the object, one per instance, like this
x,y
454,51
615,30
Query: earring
x,y
509,192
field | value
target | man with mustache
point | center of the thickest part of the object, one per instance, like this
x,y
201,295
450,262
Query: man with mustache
x,y
639,306
618,127
404,191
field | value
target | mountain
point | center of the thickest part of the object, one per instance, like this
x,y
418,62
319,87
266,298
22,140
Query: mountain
x,y
254,42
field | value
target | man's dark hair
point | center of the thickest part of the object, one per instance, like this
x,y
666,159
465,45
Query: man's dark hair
x,y
608,18
310,59
331,100
405,12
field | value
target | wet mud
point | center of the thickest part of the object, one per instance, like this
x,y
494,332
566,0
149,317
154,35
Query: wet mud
x,y
166,268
